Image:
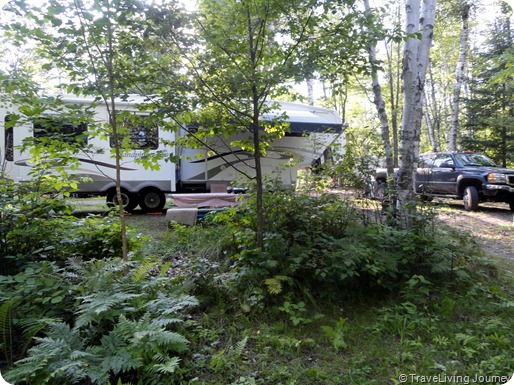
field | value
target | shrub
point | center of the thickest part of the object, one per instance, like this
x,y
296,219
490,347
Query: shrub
x,y
35,226
323,245
116,325
30,222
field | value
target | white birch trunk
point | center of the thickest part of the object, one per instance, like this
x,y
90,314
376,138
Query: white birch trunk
x,y
436,119
380,105
310,92
428,120
459,77
415,63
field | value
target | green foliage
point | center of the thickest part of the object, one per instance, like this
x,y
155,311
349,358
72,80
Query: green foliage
x,y
490,118
318,242
337,334
29,221
296,312
113,325
35,226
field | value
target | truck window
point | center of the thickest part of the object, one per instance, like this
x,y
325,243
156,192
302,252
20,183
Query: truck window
x,y
426,161
56,128
142,134
9,139
443,160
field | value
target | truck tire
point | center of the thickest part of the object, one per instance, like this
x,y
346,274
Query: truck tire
x,y
152,199
129,200
470,198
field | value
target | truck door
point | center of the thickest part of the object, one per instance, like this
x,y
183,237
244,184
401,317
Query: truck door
x,y
424,173
444,175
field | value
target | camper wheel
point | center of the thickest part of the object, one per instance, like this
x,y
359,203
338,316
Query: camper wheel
x,y
129,199
152,199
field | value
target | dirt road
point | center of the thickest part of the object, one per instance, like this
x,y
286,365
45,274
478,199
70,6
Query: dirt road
x,y
492,225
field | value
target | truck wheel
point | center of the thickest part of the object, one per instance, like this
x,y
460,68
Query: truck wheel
x,y
129,200
470,198
152,199
380,191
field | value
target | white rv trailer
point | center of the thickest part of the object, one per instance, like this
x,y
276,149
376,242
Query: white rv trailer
x,y
312,129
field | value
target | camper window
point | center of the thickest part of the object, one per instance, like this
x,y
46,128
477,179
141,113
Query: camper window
x,y
9,140
56,128
142,135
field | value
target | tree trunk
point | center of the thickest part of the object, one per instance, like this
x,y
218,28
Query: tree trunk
x,y
115,134
459,76
394,75
380,105
436,117
259,204
430,126
415,63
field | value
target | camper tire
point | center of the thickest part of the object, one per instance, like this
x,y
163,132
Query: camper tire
x,y
152,199
129,199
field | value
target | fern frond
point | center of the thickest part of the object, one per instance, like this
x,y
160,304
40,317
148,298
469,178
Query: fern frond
x,y
240,346
169,367
6,338
163,322
95,305
164,269
275,284
142,271
166,305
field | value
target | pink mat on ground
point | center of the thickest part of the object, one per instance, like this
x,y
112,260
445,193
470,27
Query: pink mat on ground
x,y
207,199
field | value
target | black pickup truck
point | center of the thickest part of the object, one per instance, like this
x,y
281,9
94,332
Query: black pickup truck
x,y
472,177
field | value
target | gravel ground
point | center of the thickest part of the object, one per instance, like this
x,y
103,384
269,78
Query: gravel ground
x,y
492,225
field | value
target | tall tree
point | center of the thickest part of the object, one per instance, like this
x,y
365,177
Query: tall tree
x,y
105,48
460,74
252,49
380,103
419,27
491,119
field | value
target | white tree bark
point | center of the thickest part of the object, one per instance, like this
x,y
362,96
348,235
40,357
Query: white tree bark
x,y
310,91
430,126
459,76
415,63
380,105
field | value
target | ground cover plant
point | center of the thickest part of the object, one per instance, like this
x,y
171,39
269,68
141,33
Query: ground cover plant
x,y
336,297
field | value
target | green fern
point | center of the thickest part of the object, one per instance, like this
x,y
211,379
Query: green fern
x,y
142,271
6,333
337,334
59,356
168,367
240,346
96,306
275,284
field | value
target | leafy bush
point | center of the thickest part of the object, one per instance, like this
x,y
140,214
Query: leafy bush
x,y
119,323
29,224
35,226
318,245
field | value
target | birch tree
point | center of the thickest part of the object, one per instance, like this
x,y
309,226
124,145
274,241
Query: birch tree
x,y
419,27
460,74
379,102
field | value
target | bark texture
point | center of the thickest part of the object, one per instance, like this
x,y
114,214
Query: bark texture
x,y
460,76
420,27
